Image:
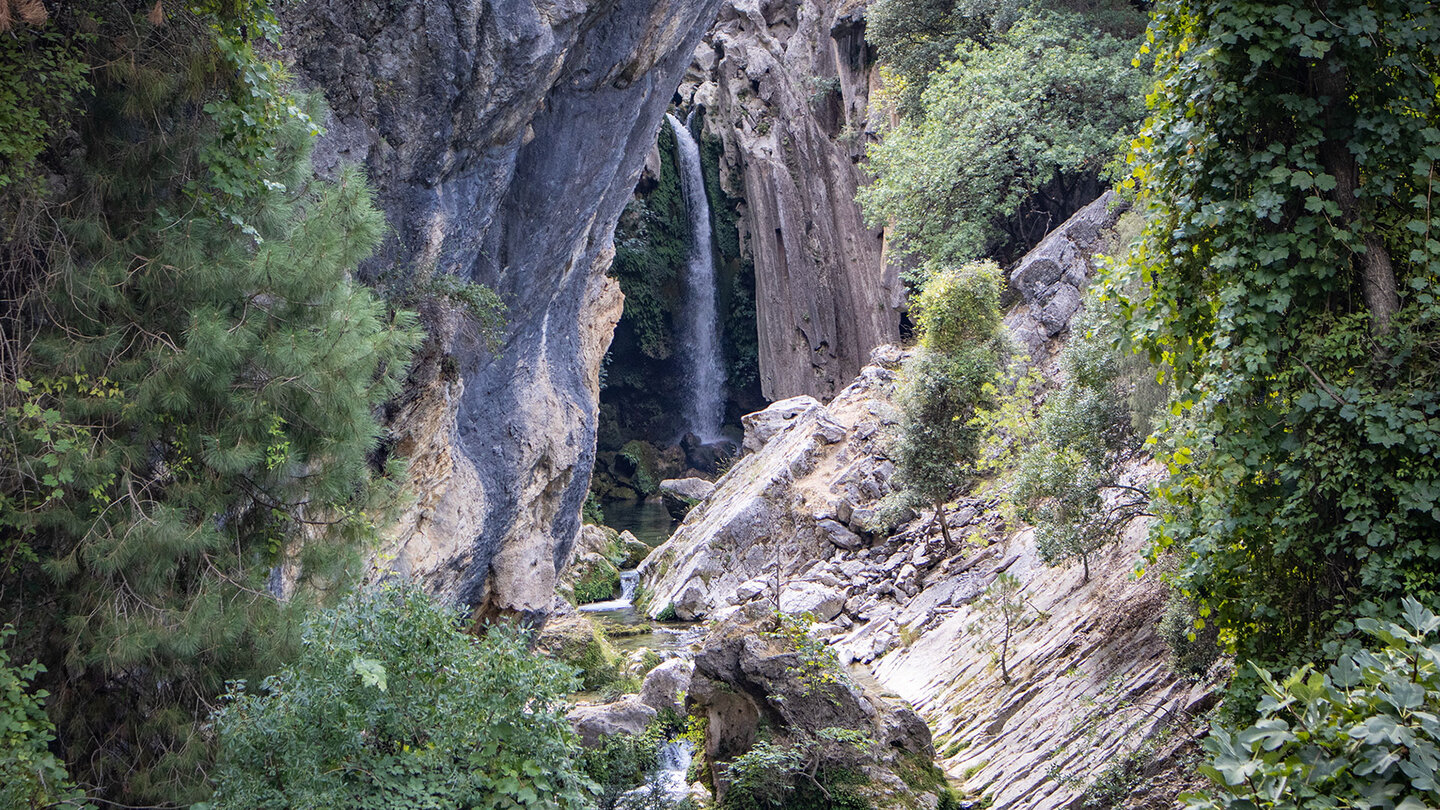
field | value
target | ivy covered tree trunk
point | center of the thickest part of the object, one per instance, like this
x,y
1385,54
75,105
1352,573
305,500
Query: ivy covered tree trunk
x,y
1289,276
1331,81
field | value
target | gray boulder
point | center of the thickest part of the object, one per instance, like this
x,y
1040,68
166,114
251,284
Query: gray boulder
x,y
596,723
809,597
762,426
679,494
665,685
839,535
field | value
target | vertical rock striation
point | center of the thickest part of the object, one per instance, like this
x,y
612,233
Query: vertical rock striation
x,y
785,85
503,138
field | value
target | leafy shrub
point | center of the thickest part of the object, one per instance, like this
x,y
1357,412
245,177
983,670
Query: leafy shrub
x,y
1194,643
390,704
959,309
1362,734
30,776
1068,484
815,772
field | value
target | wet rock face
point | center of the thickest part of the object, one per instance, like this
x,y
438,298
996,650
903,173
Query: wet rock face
x,y
503,138
785,85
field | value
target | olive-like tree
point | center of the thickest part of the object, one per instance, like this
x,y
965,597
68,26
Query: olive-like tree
x,y
946,381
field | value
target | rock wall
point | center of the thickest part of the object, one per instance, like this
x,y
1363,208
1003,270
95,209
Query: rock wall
x,y
1048,283
785,84
503,138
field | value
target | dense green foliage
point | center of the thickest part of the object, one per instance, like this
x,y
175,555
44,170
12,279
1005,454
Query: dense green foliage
x,y
1011,136
41,72
650,249
188,411
391,704
1288,276
1362,734
946,382
1070,483
31,777
817,771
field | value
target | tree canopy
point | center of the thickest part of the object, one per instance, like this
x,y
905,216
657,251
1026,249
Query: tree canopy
x,y
1013,132
190,383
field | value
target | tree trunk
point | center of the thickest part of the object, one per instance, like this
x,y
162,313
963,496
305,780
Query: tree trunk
x,y
944,526
1382,295
1004,650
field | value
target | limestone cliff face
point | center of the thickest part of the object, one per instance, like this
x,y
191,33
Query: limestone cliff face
x,y
503,138
785,85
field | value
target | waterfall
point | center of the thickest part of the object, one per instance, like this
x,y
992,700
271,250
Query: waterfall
x,y
628,581
700,331
665,786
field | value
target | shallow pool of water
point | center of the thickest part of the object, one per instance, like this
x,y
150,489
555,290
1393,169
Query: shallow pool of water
x,y
648,520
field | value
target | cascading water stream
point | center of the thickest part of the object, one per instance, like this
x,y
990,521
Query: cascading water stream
x,y
628,581
700,332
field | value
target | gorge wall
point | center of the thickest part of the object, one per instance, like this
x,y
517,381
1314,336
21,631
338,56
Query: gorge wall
x,y
785,86
503,139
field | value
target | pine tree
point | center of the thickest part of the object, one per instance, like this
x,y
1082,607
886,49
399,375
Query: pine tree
x,y
192,430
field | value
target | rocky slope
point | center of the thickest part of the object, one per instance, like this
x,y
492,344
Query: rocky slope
x,y
785,85
503,138
797,523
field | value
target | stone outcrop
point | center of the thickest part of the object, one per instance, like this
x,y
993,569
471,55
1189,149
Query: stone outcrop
x,y
1048,284
1091,681
814,479
745,679
595,724
503,138
679,494
785,85
665,686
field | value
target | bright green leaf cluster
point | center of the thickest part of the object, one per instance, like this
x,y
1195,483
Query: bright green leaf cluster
x,y
1366,733
948,381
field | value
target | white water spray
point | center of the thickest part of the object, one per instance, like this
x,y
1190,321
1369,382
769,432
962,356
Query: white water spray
x,y
700,332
